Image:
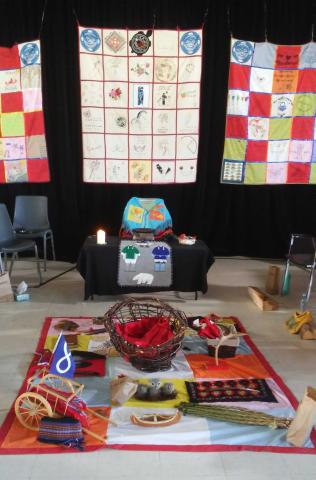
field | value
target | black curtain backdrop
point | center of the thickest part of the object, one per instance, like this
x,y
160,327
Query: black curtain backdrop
x,y
231,219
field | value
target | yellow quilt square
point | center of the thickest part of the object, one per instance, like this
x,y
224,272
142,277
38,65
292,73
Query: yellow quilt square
x,y
12,124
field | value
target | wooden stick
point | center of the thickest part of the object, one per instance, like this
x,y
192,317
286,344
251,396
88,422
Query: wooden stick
x,y
93,412
94,435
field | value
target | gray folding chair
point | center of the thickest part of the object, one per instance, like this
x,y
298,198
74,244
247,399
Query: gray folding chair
x,y
31,221
302,253
10,244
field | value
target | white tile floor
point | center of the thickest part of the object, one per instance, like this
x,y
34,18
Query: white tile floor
x,y
294,360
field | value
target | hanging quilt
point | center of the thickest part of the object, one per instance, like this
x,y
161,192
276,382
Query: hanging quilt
x,y
140,100
23,154
270,123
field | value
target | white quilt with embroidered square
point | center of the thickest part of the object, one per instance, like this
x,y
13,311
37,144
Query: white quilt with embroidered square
x,y
140,101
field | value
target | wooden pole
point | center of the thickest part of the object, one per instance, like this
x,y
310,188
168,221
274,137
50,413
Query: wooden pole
x,y
94,435
93,412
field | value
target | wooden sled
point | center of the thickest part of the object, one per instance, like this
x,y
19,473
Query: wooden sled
x,y
155,419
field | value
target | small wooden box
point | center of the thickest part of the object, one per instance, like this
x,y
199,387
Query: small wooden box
x,y
227,350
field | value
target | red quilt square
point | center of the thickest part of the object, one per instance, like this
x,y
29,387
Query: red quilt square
x,y
9,58
298,172
12,102
38,170
257,151
260,104
34,123
236,126
306,81
287,56
239,77
2,174
303,128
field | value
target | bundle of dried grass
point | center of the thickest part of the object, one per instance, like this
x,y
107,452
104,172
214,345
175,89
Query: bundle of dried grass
x,y
235,415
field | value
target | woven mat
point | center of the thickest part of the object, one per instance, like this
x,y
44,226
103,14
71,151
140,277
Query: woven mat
x,y
239,390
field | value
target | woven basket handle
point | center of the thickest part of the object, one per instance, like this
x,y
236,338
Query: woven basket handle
x,y
148,300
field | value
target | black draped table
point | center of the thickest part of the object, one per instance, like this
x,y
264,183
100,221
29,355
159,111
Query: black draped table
x,y
98,265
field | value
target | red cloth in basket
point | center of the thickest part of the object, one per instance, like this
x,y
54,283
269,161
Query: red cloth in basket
x,y
147,331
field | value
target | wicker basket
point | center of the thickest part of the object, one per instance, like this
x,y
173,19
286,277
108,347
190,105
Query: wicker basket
x,y
151,358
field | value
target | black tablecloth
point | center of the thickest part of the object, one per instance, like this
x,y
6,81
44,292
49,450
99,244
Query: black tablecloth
x,y
98,265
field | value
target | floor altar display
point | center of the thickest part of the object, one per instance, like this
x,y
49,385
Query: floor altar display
x,y
190,433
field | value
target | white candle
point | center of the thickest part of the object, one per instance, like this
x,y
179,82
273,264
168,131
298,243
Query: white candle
x,y
101,237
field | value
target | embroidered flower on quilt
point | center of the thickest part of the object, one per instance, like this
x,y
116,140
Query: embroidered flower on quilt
x,y
115,93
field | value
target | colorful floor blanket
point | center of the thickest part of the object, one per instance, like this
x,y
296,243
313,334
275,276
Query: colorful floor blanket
x,y
144,264
140,101
247,370
271,105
